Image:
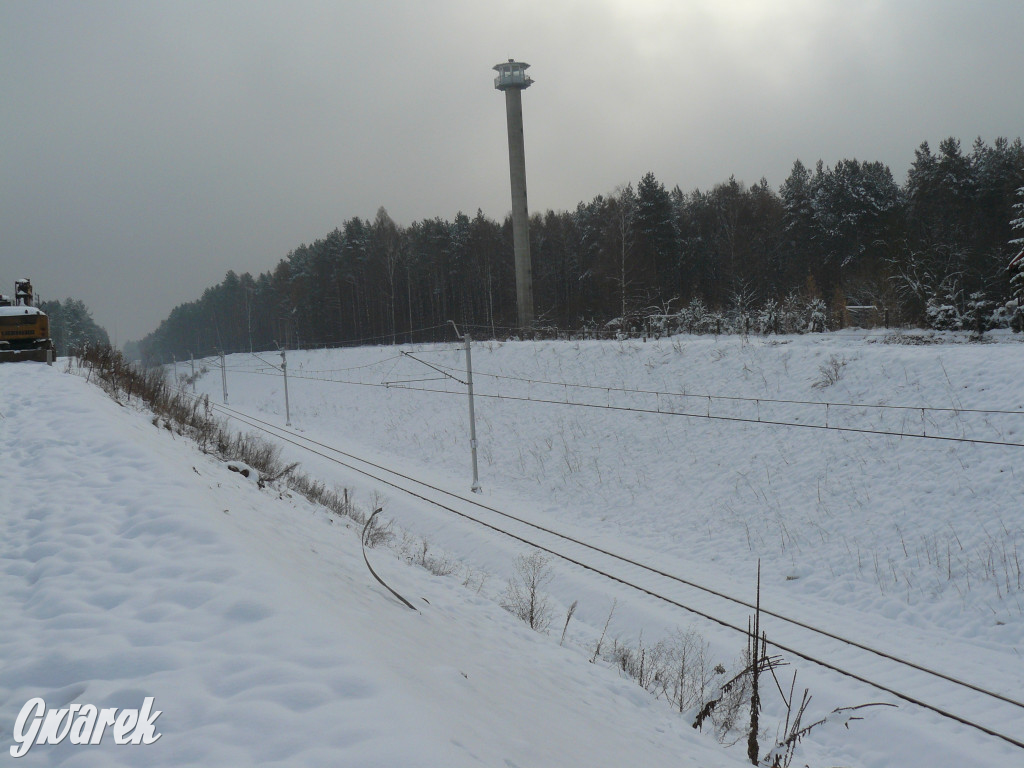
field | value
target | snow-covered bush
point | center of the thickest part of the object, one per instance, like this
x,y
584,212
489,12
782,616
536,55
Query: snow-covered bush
x,y
715,323
767,319
1014,313
693,317
524,596
942,314
978,313
816,314
791,314
1002,316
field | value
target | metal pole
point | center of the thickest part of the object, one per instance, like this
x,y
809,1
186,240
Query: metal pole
x,y
284,370
175,361
224,376
476,488
192,361
472,415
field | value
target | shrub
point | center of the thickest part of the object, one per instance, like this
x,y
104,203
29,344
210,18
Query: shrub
x,y
524,597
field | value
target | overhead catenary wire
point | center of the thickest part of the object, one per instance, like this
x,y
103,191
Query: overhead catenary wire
x,y
266,362
352,367
743,398
276,431
659,572
666,393
661,412
243,366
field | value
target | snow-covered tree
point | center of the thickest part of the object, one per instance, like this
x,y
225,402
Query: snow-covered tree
x,y
622,234
768,320
694,316
657,232
72,326
791,314
854,207
817,316
942,310
978,315
1015,306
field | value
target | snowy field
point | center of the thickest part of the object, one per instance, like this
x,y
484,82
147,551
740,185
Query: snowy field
x,y
141,567
133,566
909,545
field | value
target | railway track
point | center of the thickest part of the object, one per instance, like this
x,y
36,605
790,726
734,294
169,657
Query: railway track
x,y
921,685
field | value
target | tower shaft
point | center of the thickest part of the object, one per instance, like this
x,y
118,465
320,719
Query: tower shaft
x,y
520,211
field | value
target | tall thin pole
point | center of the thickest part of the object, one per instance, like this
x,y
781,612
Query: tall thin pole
x,y
284,370
476,488
224,376
520,211
472,415
192,362
512,79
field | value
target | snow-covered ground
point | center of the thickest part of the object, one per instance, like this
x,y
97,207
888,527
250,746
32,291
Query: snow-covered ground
x,y
132,566
254,623
913,546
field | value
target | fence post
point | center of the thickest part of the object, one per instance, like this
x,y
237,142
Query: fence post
x,y
224,376
284,370
192,362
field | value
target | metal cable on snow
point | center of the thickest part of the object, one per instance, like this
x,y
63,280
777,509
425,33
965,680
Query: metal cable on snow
x,y
362,541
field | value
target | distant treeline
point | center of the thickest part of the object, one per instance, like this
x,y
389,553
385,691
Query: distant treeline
x,y
72,326
932,251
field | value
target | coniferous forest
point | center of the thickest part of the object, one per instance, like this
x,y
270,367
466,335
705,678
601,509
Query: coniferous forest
x,y
833,246
72,325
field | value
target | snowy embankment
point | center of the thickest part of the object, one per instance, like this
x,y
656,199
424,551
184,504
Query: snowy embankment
x,y
912,546
133,566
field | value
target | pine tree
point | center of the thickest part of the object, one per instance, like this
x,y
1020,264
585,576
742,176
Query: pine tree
x,y
657,233
798,222
72,326
621,234
1016,303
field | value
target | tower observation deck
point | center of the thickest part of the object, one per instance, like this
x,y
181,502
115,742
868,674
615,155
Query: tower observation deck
x,y
512,74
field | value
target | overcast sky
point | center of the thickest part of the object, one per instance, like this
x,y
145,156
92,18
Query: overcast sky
x,y
148,147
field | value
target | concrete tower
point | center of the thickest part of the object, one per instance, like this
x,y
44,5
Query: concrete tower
x,y
512,79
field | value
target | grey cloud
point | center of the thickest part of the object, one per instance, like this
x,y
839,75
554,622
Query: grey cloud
x,y
148,148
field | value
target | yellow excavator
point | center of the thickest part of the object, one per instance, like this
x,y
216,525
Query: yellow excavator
x,y
24,328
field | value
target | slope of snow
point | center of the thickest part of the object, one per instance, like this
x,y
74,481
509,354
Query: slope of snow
x,y
131,566
910,545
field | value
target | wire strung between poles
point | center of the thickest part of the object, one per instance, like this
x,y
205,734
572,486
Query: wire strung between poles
x,y
256,423
714,417
783,647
